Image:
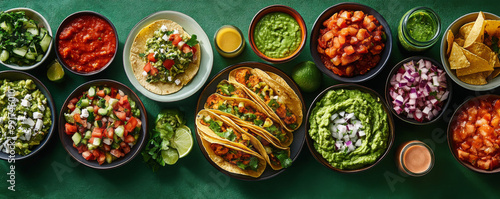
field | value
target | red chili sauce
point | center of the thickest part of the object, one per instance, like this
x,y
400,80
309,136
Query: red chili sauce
x,y
87,43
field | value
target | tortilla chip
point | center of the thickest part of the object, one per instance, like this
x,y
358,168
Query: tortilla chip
x,y
460,41
477,32
495,73
481,50
492,27
457,58
449,38
465,30
477,64
497,61
474,79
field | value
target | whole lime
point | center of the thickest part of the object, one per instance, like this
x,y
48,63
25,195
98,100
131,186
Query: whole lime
x,y
307,76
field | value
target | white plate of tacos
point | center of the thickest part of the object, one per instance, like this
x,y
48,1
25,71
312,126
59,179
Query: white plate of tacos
x,y
152,75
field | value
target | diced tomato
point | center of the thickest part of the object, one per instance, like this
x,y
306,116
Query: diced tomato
x,y
70,129
175,38
341,22
113,92
346,15
107,97
73,101
358,16
129,139
98,117
87,155
139,123
147,67
151,57
97,132
101,159
126,149
131,124
168,63
81,148
107,148
349,50
101,93
91,140
153,71
79,120
118,123
71,106
117,96
116,153
123,100
96,153
121,115
186,48
110,132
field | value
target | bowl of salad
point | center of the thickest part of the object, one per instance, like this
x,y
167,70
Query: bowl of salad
x,y
25,38
103,124
26,104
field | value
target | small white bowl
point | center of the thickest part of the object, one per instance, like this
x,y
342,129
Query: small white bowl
x,y
41,23
455,27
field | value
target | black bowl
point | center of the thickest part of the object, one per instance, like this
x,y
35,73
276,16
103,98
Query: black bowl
x,y
65,22
310,141
388,98
18,75
319,25
68,142
472,101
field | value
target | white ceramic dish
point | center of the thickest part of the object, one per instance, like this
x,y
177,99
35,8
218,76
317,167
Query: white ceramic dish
x,y
41,23
454,27
191,27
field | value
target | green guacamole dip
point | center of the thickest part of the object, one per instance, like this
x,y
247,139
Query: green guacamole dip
x,y
25,116
277,35
421,26
372,116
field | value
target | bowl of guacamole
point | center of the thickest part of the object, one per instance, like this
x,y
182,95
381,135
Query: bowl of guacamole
x,y
27,115
349,128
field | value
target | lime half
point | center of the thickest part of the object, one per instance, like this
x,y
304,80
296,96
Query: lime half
x,y
55,71
307,76
183,141
170,156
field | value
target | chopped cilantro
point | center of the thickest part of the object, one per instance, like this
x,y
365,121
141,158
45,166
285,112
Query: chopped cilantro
x,y
192,41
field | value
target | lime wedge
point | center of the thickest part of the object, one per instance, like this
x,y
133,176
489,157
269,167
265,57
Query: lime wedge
x,y
55,71
170,156
183,141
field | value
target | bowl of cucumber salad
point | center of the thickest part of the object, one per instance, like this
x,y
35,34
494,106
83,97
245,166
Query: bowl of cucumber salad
x,y
25,38
103,124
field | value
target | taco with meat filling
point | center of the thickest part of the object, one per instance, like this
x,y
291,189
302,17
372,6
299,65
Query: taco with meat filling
x,y
164,57
245,112
220,127
279,100
233,159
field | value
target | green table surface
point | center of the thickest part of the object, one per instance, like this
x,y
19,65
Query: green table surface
x,y
54,174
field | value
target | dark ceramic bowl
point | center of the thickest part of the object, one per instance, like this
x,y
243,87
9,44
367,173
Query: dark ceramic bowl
x,y
68,142
310,141
272,9
388,98
453,123
18,75
318,25
65,23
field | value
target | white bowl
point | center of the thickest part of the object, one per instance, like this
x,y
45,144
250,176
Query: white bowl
x,y
190,26
455,27
41,23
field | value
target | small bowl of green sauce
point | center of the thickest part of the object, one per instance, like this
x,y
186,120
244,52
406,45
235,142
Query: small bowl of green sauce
x,y
419,29
277,34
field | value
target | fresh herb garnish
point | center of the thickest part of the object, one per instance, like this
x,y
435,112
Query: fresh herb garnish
x,y
192,41
284,159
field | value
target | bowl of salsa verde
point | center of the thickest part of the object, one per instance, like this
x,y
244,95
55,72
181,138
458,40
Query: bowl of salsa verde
x,y
277,34
350,42
86,43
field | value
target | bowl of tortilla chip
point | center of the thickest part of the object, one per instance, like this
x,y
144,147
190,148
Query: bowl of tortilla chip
x,y
470,51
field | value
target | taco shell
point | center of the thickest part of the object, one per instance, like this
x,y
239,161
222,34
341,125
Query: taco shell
x,y
137,62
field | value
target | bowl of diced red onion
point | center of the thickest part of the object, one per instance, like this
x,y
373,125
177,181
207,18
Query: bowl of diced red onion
x,y
418,90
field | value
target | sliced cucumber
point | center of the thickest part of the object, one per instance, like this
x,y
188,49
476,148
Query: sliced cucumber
x,y
30,24
6,26
31,55
91,92
76,138
39,57
20,51
33,31
45,42
4,55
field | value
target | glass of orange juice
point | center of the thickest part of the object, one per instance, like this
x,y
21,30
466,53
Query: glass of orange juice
x,y
229,41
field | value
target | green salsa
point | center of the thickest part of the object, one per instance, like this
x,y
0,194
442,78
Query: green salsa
x,y
421,26
277,35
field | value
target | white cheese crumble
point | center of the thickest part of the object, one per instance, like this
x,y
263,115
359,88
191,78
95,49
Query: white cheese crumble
x,y
177,81
38,125
180,44
25,103
164,28
37,115
175,31
165,37
169,78
29,122
121,93
85,113
41,107
144,73
27,97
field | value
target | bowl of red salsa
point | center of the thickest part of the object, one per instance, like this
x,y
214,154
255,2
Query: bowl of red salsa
x,y
350,42
472,134
86,43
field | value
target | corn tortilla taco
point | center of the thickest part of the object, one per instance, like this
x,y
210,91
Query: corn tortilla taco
x,y
164,57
